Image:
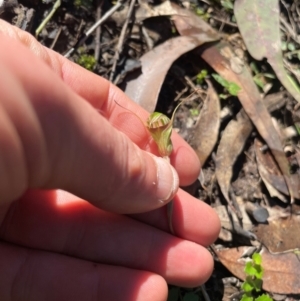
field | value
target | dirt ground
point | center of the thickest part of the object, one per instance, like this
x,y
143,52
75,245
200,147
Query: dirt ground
x,y
253,186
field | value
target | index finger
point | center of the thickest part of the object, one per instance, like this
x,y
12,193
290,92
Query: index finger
x,y
101,94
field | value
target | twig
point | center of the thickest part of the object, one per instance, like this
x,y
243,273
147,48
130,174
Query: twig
x,y
148,40
56,38
94,27
190,83
201,93
48,18
204,293
225,21
98,30
78,30
290,30
121,40
293,25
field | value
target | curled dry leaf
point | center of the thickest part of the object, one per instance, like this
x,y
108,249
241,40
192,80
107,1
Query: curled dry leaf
x,y
219,57
207,127
146,11
233,141
144,90
281,271
187,23
259,24
271,175
231,145
155,64
281,234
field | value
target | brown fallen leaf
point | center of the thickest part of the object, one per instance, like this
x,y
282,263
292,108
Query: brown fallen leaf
x,y
219,57
259,25
271,174
207,127
190,24
233,141
231,145
280,234
281,271
155,64
147,11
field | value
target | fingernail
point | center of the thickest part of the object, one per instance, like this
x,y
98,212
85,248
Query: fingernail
x,y
167,179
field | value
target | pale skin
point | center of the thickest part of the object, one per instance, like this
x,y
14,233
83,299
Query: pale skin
x,y
61,129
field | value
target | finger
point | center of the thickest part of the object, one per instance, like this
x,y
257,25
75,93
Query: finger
x,y
192,219
81,230
102,95
25,275
128,120
60,141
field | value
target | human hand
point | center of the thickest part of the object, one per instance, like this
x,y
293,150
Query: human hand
x,y
61,129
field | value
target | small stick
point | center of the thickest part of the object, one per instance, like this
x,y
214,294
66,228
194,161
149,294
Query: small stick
x,y
56,38
48,18
121,40
148,40
93,28
98,31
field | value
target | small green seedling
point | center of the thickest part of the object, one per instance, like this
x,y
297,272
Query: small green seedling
x,y
227,4
252,286
201,76
261,79
87,61
231,87
201,13
194,112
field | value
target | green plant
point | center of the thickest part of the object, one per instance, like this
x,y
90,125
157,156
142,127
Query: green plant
x,y
262,79
232,88
201,76
253,282
87,61
201,13
194,112
227,4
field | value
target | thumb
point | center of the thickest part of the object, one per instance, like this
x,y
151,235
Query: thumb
x,y
55,139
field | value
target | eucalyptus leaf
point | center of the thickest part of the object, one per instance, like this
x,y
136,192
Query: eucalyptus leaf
x,y
259,24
